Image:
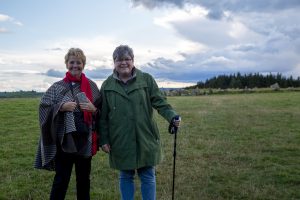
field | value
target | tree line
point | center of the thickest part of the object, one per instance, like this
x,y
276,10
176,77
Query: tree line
x,y
252,80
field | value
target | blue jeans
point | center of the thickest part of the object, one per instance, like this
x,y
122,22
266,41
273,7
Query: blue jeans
x,y
148,183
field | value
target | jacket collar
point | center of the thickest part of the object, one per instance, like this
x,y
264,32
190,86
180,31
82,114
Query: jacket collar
x,y
135,83
116,74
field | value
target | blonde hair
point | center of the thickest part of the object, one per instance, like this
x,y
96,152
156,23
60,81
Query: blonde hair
x,y
78,53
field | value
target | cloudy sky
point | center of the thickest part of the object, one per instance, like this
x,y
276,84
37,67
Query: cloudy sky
x,y
179,42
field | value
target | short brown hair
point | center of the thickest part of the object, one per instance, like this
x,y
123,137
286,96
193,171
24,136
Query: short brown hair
x,y
122,51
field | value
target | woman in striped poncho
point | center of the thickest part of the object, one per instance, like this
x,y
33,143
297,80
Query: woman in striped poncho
x,y
61,145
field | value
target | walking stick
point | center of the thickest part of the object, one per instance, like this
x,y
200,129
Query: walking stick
x,y
173,130
174,162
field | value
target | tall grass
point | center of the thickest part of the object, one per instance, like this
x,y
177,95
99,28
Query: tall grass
x,y
244,146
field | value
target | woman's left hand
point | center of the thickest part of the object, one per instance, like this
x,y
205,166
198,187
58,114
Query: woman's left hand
x,y
89,107
177,123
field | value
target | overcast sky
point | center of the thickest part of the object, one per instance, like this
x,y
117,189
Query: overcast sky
x,y
179,42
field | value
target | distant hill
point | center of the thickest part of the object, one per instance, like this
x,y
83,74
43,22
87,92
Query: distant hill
x,y
29,94
168,89
20,94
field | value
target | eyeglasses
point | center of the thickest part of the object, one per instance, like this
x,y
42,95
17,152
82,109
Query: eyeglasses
x,y
73,62
124,59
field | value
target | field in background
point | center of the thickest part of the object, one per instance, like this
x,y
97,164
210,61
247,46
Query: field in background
x,y
238,146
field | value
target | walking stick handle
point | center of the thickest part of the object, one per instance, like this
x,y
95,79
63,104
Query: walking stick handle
x,y
172,128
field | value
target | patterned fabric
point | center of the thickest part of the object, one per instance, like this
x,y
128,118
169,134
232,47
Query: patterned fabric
x,y
84,87
58,127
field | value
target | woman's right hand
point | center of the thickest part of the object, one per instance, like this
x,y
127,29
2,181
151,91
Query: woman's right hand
x,y
105,148
68,106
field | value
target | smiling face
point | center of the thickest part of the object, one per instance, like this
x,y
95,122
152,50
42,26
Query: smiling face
x,y
75,66
124,66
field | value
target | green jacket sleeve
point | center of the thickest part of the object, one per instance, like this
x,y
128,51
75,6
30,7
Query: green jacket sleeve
x,y
159,101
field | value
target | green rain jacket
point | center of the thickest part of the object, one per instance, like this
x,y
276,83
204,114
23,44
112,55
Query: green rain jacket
x,y
127,123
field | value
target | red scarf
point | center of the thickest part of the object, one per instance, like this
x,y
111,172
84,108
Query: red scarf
x,y
86,88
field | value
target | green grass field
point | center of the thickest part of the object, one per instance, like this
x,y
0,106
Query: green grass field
x,y
244,146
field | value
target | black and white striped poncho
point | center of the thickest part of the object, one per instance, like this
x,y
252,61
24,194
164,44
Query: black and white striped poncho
x,y
56,127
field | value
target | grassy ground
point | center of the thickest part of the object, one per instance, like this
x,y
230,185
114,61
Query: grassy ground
x,y
244,146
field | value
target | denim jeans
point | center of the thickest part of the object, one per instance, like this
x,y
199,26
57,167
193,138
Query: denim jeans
x,y
148,183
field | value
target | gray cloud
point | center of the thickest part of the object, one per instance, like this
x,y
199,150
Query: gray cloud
x,y
55,73
215,14
253,36
157,3
248,58
215,7
98,73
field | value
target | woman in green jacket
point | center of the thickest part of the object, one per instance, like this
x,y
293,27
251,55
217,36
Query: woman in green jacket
x,y
128,131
